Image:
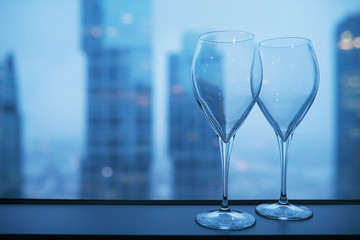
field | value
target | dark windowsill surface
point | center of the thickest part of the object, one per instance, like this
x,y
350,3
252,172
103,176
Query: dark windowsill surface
x,y
163,219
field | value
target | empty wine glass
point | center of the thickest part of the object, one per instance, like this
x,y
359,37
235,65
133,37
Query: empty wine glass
x,y
226,87
290,84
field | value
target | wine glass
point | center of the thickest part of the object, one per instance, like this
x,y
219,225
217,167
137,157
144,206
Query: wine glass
x,y
290,83
226,87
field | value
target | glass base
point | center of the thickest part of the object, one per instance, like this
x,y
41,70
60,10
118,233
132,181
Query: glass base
x,y
226,220
284,212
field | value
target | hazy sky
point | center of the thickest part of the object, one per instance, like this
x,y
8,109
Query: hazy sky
x,y
45,38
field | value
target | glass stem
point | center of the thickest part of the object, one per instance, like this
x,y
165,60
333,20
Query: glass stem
x,y
284,149
225,151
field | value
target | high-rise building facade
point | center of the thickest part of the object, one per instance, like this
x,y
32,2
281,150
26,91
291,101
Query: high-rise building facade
x,y
193,144
348,107
10,132
117,43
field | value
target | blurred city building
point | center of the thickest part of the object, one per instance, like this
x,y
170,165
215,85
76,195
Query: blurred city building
x,y
193,144
10,132
117,42
348,107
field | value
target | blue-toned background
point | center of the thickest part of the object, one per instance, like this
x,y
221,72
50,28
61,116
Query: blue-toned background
x,y
105,108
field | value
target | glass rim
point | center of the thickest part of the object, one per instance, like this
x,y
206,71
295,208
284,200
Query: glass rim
x,y
296,42
233,40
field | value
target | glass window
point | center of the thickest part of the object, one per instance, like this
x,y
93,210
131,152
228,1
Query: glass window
x,y
97,103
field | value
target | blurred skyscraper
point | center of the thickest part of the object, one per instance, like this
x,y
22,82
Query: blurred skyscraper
x,y
117,43
348,107
10,132
193,144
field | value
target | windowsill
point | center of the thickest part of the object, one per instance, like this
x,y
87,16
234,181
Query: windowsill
x,y
55,219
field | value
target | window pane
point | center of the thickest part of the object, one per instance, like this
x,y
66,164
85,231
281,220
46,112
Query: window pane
x,y
97,103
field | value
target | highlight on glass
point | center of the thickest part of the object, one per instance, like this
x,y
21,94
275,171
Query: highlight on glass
x,y
289,87
226,84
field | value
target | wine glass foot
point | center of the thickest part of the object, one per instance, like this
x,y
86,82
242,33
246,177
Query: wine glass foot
x,y
226,220
284,212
